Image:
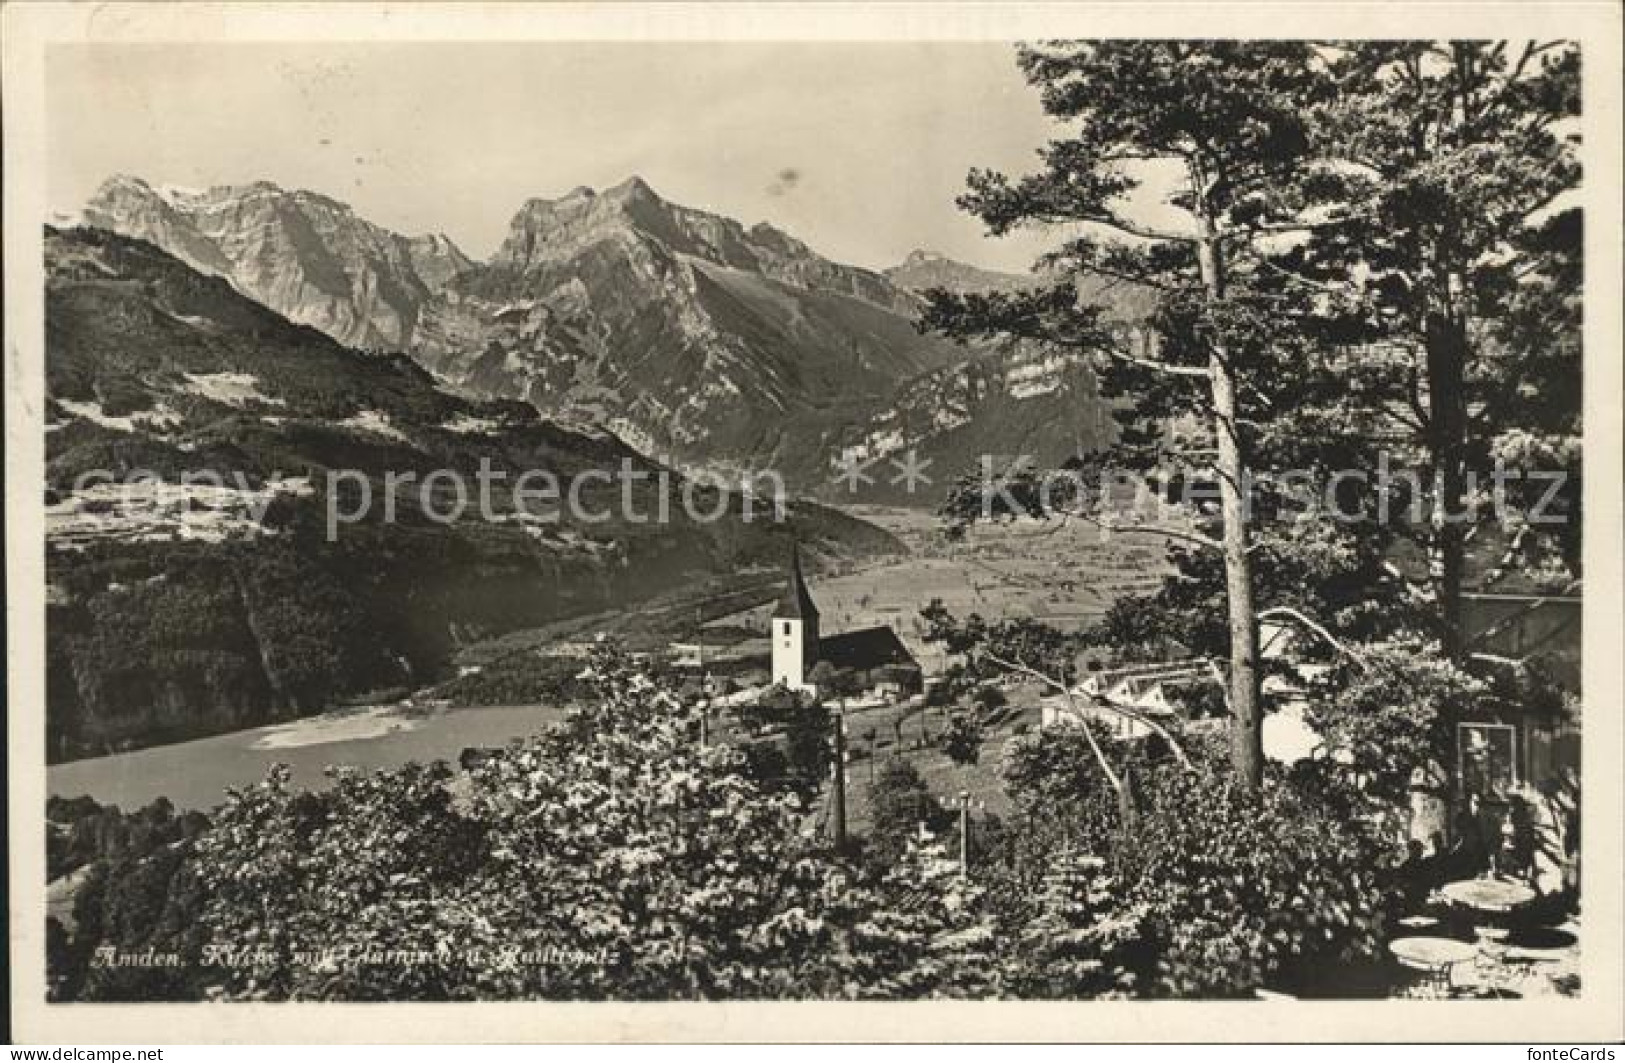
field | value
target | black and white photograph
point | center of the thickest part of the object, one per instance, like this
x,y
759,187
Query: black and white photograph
x,y
1071,517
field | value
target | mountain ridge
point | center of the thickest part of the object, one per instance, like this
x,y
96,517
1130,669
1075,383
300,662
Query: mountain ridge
x,y
922,270
302,253
708,343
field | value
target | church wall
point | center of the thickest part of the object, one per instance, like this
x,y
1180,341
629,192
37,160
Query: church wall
x,y
795,651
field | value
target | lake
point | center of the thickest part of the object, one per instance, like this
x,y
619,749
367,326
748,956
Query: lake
x,y
195,775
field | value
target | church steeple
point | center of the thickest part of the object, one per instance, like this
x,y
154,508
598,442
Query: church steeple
x,y
797,602
794,629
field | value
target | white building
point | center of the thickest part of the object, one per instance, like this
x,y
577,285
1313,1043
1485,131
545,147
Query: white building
x,y
874,656
795,630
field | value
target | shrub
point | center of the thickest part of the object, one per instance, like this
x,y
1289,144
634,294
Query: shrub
x,y
899,802
989,698
1227,888
962,741
1082,942
1238,887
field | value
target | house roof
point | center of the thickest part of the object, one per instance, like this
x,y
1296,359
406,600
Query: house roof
x,y
797,602
865,649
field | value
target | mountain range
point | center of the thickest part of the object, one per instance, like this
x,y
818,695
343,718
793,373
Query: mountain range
x,y
696,339
273,337
206,588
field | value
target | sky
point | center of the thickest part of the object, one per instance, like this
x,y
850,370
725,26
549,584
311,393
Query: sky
x,y
858,149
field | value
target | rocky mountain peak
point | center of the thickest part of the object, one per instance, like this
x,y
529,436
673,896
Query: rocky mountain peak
x,y
546,233
300,252
631,189
124,182
923,270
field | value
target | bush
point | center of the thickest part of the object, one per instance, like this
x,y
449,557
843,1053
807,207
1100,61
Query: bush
x,y
899,802
1082,941
989,698
1239,888
962,741
1227,889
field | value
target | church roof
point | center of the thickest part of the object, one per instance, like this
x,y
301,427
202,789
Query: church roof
x,y
797,602
865,649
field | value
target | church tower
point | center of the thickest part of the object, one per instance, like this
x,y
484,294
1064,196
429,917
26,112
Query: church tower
x,y
795,630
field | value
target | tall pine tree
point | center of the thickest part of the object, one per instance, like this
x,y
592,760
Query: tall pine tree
x,y
1221,130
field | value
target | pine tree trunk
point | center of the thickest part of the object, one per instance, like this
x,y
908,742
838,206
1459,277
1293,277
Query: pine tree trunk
x,y
1446,348
1447,416
1246,707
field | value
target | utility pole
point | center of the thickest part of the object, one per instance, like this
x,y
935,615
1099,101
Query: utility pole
x,y
705,694
838,790
964,834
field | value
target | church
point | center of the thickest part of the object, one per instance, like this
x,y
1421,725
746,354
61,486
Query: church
x,y
875,655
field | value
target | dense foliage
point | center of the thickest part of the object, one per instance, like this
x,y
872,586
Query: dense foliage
x,y
614,856
1224,889
1373,264
900,806
133,885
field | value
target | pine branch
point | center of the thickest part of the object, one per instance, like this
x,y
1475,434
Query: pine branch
x,y
1072,705
1166,532
1143,232
1156,366
1304,622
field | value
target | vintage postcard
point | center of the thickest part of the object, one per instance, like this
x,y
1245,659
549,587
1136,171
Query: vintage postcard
x,y
813,522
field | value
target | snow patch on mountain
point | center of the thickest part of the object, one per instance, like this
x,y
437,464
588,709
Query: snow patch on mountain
x,y
375,422
153,510
160,417
464,424
233,389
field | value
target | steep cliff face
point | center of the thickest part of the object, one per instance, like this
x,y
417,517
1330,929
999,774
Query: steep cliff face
x,y
305,255
1123,303
1014,403
547,233
1002,402
211,593
705,342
